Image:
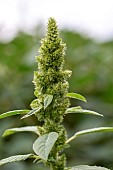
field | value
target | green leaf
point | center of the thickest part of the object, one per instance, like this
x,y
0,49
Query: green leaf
x,y
43,145
21,129
73,109
93,130
86,167
76,96
80,110
14,112
32,112
15,158
48,99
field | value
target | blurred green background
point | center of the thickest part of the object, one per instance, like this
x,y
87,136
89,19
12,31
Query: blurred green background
x,y
92,69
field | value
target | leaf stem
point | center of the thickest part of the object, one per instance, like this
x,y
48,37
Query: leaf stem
x,y
70,139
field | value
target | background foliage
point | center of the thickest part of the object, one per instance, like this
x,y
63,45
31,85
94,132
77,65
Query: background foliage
x,y
92,67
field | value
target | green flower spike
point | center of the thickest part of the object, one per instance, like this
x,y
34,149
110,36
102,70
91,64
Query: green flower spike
x,y
50,106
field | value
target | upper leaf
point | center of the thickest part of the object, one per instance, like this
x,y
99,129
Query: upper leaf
x,y
78,109
47,100
76,96
21,129
14,112
32,112
86,167
15,158
93,130
43,145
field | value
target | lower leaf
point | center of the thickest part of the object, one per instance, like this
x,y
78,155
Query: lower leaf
x,y
21,129
15,159
89,131
86,167
43,145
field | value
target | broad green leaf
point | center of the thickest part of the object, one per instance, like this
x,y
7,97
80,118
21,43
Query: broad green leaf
x,y
21,129
93,130
76,96
14,112
80,110
86,167
43,145
32,112
15,159
48,99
